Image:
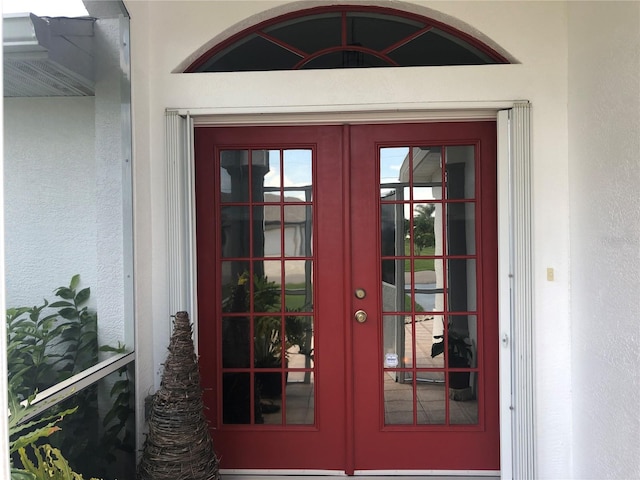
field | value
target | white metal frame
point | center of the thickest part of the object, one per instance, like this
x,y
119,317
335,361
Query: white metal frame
x,y
515,273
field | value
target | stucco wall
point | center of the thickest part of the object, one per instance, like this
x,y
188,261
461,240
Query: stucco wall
x,y
166,33
50,202
604,168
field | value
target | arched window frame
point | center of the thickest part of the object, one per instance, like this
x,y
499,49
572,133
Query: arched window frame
x,y
259,30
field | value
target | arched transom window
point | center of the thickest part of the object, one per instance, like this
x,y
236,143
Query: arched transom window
x,y
345,37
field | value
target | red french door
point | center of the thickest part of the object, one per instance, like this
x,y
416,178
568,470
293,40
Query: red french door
x,y
347,299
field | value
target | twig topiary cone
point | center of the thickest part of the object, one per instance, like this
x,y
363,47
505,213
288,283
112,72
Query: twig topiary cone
x,y
179,446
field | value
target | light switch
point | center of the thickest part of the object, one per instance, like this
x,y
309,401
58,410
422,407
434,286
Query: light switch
x,y
550,274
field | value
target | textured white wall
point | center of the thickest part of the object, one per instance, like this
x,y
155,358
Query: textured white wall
x,y
164,34
604,169
50,201
63,195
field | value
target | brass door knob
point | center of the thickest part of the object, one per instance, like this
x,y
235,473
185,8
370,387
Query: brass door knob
x,y
360,316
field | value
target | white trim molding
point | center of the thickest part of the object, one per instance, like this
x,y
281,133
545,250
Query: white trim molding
x,y
180,214
521,294
515,255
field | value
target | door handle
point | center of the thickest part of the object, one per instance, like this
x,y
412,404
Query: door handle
x,y
361,316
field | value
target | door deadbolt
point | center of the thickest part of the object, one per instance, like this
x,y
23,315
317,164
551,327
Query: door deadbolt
x,y
361,316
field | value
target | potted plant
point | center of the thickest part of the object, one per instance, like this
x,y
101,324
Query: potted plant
x,y
460,355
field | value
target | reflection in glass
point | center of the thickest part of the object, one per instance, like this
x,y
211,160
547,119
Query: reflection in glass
x,y
267,341
236,399
431,403
428,292
460,172
426,228
235,342
298,229
427,173
398,401
300,344
234,232
392,161
298,285
461,229
300,400
272,230
84,438
463,341
397,345
297,170
463,410
461,275
424,344
267,286
272,179
235,286
234,176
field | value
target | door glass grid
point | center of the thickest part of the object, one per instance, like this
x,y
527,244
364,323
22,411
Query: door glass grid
x,y
428,261
266,278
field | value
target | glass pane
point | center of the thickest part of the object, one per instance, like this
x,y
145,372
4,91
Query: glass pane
x,y
463,341
428,291
394,170
298,195
463,405
235,286
395,296
272,178
234,176
235,342
269,387
460,172
252,53
461,229
235,233
434,48
310,33
236,399
427,228
427,335
267,288
300,344
297,169
378,31
92,448
462,285
298,228
68,210
300,399
299,285
427,173
267,336
398,400
272,231
431,403
395,229
397,346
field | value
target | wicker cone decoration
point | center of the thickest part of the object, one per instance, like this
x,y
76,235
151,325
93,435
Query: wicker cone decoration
x,y
179,446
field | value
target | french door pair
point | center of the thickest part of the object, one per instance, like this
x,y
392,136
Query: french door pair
x,y
347,295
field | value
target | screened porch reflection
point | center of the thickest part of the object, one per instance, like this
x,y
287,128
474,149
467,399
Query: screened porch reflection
x,y
430,342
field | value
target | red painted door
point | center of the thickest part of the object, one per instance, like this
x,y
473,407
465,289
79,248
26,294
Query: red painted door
x,y
301,228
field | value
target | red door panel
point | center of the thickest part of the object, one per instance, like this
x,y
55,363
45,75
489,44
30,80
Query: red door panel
x,y
300,227
436,299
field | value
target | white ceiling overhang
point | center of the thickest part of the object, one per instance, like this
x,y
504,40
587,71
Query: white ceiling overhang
x,y
46,57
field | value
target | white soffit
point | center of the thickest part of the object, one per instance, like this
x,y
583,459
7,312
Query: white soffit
x,y
45,57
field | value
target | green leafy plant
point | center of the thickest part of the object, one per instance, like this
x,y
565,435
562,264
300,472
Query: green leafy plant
x,y
34,458
47,344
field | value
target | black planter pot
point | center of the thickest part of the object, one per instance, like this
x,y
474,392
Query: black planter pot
x,y
459,380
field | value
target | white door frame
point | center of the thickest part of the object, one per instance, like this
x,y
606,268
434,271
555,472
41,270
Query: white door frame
x,y
515,256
